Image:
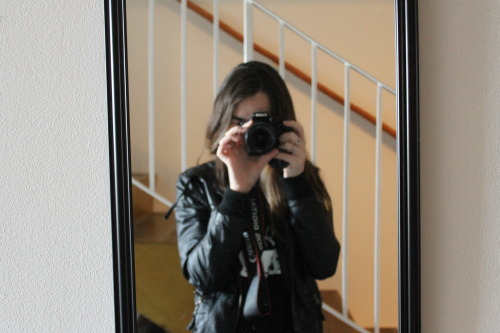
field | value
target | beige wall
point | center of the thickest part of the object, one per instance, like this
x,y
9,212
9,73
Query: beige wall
x,y
331,30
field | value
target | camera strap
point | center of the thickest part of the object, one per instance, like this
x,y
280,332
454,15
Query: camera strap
x,y
257,302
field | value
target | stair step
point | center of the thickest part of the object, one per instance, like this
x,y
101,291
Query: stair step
x,y
332,324
153,228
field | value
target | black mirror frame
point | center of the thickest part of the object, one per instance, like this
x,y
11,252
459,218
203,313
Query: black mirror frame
x,y
119,164
409,165
408,162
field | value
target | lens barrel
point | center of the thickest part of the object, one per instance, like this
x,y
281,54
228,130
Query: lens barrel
x,y
260,139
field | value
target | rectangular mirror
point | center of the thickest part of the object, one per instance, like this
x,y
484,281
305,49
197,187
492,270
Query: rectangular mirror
x,y
368,152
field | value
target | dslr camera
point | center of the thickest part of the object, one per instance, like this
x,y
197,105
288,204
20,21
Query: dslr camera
x,y
264,134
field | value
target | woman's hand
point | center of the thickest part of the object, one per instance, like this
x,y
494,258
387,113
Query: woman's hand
x,y
243,170
293,149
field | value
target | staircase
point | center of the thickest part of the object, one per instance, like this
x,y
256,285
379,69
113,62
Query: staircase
x,y
150,225
163,296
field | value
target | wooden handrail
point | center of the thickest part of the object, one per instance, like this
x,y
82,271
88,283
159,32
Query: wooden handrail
x,y
291,68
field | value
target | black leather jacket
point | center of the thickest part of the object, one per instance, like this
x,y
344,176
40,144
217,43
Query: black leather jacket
x,y
210,223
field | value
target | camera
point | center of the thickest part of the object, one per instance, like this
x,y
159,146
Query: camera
x,y
264,134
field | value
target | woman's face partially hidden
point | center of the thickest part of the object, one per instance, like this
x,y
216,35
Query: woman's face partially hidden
x,y
247,107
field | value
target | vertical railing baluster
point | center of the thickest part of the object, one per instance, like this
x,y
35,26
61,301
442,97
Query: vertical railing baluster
x,y
183,83
247,31
314,99
377,235
151,95
345,201
282,49
216,29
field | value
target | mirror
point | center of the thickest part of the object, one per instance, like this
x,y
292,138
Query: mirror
x,y
123,152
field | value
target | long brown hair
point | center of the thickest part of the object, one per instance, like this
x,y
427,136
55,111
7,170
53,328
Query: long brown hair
x,y
245,80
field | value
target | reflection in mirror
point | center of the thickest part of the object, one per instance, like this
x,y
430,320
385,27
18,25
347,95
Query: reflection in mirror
x,y
332,55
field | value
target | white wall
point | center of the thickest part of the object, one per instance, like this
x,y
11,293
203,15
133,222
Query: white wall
x,y
460,139
55,241
55,259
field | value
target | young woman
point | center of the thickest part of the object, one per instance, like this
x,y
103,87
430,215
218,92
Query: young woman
x,y
255,229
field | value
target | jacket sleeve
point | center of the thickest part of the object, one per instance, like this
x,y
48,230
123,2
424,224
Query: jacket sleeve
x,y
318,248
209,238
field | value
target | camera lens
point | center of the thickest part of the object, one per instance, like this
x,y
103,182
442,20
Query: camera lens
x,y
260,139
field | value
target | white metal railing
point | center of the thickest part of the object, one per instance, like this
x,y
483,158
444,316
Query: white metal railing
x,y
345,190
216,33
151,95
183,84
248,6
377,225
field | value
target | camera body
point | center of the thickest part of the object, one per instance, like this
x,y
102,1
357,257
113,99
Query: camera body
x,y
264,134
